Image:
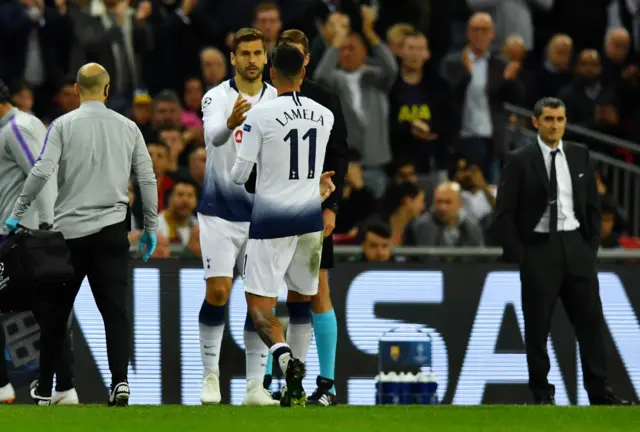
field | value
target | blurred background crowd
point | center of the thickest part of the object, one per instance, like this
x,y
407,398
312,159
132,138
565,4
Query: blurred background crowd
x,y
428,133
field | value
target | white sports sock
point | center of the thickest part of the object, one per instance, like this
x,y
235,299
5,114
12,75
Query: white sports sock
x,y
283,360
299,339
210,344
256,353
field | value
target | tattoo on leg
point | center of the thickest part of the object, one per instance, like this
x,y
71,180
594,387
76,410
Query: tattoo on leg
x,y
268,327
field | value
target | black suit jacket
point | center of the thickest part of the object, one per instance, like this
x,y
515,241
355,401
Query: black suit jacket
x,y
523,196
54,37
336,155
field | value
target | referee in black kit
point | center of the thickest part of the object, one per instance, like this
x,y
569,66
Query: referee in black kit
x,y
324,319
95,149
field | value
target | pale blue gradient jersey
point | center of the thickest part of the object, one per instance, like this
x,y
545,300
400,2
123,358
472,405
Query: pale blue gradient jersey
x,y
221,197
287,139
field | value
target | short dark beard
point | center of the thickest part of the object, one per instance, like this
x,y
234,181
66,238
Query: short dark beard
x,y
247,78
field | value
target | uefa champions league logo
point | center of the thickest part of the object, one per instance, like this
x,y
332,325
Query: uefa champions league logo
x,y
420,357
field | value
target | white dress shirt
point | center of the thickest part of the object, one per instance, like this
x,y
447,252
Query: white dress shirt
x,y
476,204
567,220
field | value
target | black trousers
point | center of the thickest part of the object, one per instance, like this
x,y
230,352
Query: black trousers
x,y
562,267
52,311
103,258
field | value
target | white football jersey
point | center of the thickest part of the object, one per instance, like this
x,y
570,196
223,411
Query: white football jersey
x,y
221,197
287,138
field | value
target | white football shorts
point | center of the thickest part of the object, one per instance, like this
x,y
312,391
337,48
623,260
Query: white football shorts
x,y
295,259
223,245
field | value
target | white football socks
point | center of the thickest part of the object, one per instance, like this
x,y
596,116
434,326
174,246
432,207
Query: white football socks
x,y
210,344
299,339
256,353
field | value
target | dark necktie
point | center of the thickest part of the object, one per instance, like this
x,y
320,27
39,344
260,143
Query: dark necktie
x,y
553,195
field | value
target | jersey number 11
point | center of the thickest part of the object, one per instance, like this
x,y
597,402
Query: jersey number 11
x,y
292,137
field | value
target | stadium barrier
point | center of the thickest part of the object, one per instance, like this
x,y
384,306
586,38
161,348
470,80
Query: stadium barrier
x,y
471,310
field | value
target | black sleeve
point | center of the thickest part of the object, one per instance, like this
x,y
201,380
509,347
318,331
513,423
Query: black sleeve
x,y
250,185
593,216
336,156
504,225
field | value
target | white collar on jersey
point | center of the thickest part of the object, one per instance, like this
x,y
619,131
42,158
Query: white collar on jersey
x,y
233,85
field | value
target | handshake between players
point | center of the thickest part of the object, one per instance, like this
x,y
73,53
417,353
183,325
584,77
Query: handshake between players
x,y
286,230
272,235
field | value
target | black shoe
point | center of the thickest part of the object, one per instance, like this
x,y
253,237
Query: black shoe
x,y
119,395
608,398
294,394
266,383
39,400
322,395
276,395
544,400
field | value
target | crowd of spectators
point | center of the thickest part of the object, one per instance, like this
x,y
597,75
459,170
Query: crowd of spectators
x,y
422,85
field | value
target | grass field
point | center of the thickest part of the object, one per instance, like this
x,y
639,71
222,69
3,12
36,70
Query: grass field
x,y
339,419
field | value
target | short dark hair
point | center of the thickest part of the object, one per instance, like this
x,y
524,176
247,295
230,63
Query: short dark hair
x,y
5,94
185,181
66,82
178,181
265,6
166,96
294,36
159,143
378,227
394,167
395,195
546,102
247,34
288,61
17,86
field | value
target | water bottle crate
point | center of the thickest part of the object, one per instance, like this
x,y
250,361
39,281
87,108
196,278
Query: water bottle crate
x,y
406,389
403,354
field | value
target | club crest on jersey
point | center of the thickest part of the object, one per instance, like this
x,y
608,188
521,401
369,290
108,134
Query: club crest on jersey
x,y
238,136
247,128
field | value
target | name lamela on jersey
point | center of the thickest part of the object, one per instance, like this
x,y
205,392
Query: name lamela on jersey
x,y
300,114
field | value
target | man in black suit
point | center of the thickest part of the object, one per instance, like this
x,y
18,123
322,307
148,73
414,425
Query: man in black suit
x,y
547,218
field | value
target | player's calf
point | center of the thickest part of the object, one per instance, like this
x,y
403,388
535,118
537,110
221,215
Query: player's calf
x,y
212,323
321,302
300,330
272,334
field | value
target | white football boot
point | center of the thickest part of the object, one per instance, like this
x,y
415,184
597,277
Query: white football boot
x,y
69,397
210,394
257,395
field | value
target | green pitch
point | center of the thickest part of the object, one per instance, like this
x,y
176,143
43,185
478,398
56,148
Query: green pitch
x,y
338,419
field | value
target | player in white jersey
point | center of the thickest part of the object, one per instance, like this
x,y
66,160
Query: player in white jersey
x,y
287,139
224,213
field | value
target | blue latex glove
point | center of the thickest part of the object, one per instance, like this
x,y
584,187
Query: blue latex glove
x,y
11,224
150,240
